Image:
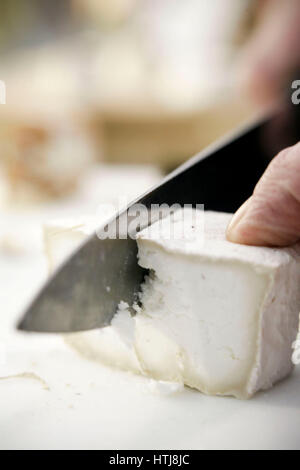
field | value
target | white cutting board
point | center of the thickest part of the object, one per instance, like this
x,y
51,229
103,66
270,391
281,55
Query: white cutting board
x,y
81,404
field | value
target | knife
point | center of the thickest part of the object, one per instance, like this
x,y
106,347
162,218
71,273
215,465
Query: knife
x,y
221,177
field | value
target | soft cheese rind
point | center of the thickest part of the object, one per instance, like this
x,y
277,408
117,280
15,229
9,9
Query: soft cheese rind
x,y
250,293
216,316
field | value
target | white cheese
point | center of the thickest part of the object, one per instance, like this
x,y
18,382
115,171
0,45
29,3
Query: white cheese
x,y
39,162
215,316
163,388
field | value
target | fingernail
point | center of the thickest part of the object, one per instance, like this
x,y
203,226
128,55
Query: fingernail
x,y
232,231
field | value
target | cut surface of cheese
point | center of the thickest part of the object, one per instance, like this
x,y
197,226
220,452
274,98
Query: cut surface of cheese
x,y
213,315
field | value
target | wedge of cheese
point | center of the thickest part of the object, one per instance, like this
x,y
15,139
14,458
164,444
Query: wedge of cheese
x,y
213,315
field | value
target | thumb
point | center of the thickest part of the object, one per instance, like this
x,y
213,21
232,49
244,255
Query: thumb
x,y
271,216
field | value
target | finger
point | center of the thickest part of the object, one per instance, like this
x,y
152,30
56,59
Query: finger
x,y
271,217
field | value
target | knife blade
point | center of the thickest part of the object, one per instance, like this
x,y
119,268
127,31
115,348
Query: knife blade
x,y
221,177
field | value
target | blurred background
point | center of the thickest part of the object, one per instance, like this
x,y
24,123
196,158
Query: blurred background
x,y
143,84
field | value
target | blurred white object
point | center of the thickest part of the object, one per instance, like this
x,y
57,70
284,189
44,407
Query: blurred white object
x,y
45,141
174,54
155,87
45,83
38,161
162,84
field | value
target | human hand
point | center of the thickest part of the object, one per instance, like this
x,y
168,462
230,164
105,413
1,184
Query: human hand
x,y
271,216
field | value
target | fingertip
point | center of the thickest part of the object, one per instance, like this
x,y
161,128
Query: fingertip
x,y
233,235
249,232
233,230
246,234
245,229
